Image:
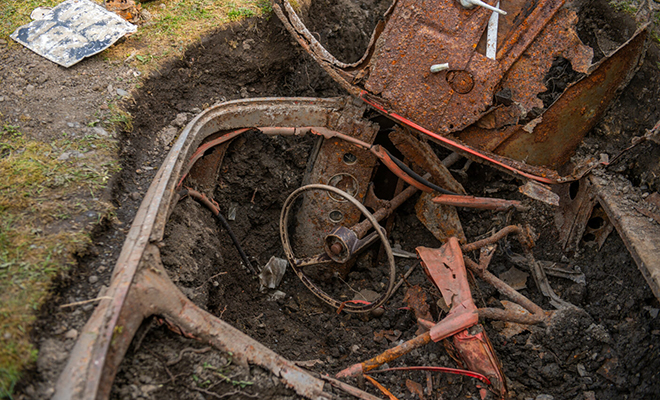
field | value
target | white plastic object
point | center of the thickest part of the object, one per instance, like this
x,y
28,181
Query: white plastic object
x,y
439,67
472,3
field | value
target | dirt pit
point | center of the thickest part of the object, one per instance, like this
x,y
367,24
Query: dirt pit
x,y
606,349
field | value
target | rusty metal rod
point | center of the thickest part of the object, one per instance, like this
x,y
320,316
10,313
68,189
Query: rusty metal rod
x,y
503,288
486,203
494,238
387,356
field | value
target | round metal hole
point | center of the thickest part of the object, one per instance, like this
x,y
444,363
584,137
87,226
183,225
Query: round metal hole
x,y
589,237
336,216
596,223
350,158
345,182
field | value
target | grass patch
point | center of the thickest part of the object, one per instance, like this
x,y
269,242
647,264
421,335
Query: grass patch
x,y
38,236
175,24
626,6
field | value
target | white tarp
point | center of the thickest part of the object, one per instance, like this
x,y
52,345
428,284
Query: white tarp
x,y
73,30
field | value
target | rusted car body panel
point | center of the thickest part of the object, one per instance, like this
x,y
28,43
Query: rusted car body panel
x,y
461,107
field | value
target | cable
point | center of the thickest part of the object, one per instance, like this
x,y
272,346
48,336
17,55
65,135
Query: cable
x,y
418,178
205,201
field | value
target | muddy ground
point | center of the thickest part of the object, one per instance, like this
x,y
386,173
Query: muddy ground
x,y
606,350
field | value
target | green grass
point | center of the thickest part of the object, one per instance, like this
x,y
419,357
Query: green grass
x,y
40,196
36,190
626,6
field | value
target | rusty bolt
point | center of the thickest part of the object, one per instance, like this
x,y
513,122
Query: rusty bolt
x,y
336,248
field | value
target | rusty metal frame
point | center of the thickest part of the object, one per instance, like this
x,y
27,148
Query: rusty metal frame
x,y
140,286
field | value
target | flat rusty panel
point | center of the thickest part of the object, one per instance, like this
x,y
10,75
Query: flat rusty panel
x,y
557,39
420,34
562,127
422,155
330,167
441,220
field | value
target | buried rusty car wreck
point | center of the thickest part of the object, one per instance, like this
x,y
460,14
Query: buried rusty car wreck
x,y
348,190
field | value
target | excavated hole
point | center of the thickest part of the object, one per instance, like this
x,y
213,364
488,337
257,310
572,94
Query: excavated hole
x,y
609,349
257,175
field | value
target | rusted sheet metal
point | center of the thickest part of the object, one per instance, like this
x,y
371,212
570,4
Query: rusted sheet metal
x,y
576,203
441,220
90,370
641,236
540,192
421,34
456,106
598,227
477,354
562,127
557,39
340,164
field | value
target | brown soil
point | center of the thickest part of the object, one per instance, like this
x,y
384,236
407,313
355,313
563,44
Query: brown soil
x,y
608,347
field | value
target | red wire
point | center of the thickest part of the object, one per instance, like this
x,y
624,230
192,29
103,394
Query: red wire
x,y
455,371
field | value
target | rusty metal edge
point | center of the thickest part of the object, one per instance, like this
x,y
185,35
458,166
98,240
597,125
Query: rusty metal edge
x,y
83,372
641,236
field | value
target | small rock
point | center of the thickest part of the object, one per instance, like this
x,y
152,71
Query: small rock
x,y
589,395
653,312
93,279
244,92
97,130
71,334
30,391
145,14
180,120
544,397
29,88
276,295
122,92
7,336
135,196
110,88
70,124
146,389
599,333
246,44
3,42
2,98
167,134
581,370
70,154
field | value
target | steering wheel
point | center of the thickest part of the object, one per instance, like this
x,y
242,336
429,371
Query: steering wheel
x,y
339,246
